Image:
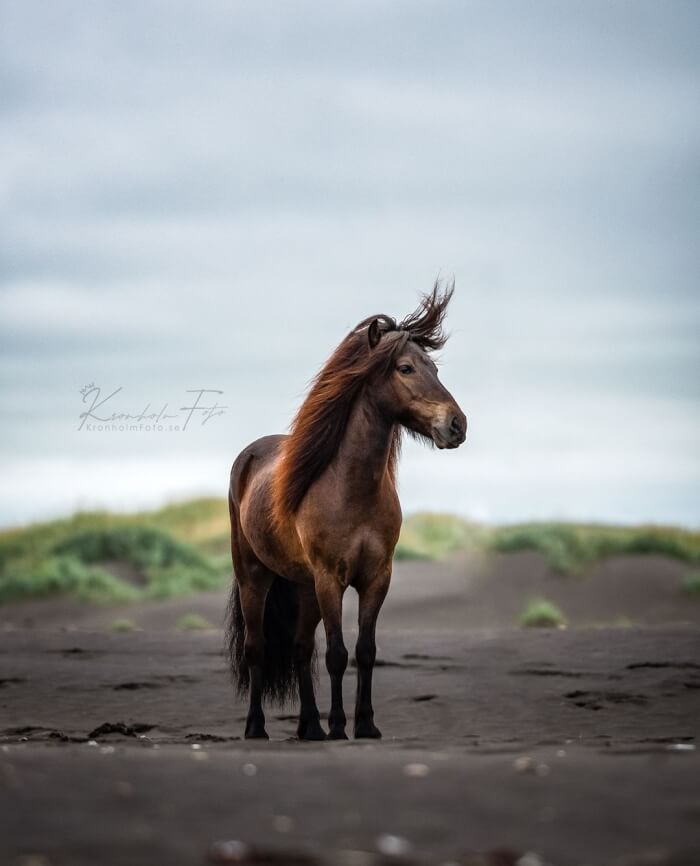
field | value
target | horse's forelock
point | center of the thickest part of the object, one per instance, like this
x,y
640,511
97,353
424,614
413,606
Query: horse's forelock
x,y
425,323
424,326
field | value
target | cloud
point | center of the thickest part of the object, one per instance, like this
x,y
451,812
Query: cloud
x,y
215,196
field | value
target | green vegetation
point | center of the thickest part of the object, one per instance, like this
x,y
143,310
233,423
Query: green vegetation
x,y
541,613
193,622
124,625
691,584
184,548
569,548
140,546
112,558
433,536
65,575
203,523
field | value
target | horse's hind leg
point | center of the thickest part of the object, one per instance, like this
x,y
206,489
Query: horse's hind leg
x,y
309,617
253,590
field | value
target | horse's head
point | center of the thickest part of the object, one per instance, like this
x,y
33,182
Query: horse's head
x,y
407,388
413,395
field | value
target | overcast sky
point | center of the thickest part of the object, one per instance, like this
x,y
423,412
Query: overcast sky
x,y
210,194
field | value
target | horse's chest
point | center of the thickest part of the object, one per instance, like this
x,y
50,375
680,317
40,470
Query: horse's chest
x,y
350,551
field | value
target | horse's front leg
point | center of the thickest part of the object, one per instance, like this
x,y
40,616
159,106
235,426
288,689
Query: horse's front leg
x,y
309,727
329,592
371,598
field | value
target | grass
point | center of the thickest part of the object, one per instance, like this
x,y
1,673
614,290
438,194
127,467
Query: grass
x,y
193,622
572,548
542,613
122,624
61,575
115,558
568,548
184,548
691,584
203,523
434,536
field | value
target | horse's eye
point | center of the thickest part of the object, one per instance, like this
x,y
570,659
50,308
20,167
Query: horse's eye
x,y
406,369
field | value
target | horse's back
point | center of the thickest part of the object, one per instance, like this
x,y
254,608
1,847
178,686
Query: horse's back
x,y
250,461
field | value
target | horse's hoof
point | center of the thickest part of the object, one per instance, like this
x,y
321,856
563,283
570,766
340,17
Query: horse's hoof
x,y
367,731
311,731
256,734
338,734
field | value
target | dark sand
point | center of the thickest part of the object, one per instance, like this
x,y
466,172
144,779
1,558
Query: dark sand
x,y
575,745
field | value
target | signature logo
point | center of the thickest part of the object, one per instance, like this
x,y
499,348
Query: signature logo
x,y
104,412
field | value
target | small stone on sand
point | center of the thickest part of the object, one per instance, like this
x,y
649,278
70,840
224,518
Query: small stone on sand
x,y
530,859
230,851
393,846
416,770
283,823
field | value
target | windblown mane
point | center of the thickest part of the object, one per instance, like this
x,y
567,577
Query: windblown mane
x,y
320,423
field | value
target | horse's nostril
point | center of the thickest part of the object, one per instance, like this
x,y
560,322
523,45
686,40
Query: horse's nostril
x,y
455,425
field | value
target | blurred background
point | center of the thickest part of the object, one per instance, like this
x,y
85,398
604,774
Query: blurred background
x,y
211,195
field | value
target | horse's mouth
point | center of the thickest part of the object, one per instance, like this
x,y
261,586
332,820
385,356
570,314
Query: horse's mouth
x,y
446,443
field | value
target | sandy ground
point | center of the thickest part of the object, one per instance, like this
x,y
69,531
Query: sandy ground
x,y
575,746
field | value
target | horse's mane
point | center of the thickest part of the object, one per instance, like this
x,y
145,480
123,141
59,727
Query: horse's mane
x,y
320,423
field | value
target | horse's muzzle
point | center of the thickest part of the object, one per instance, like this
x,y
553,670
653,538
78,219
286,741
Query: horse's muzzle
x,y
453,432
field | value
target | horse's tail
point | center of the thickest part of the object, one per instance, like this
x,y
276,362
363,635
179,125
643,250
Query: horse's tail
x,y
280,617
235,640
279,627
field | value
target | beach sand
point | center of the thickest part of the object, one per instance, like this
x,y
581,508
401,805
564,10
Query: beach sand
x,y
571,746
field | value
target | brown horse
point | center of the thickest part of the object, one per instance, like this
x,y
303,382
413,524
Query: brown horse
x,y
317,511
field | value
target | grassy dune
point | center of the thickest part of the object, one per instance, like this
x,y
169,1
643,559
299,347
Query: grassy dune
x,y
100,556
184,548
569,548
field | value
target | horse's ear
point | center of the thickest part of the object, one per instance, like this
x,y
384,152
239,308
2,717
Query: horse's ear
x,y
374,335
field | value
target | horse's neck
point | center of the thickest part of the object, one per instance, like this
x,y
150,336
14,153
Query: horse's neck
x,y
363,456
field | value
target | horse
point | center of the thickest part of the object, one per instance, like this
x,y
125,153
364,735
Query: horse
x,y
317,511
